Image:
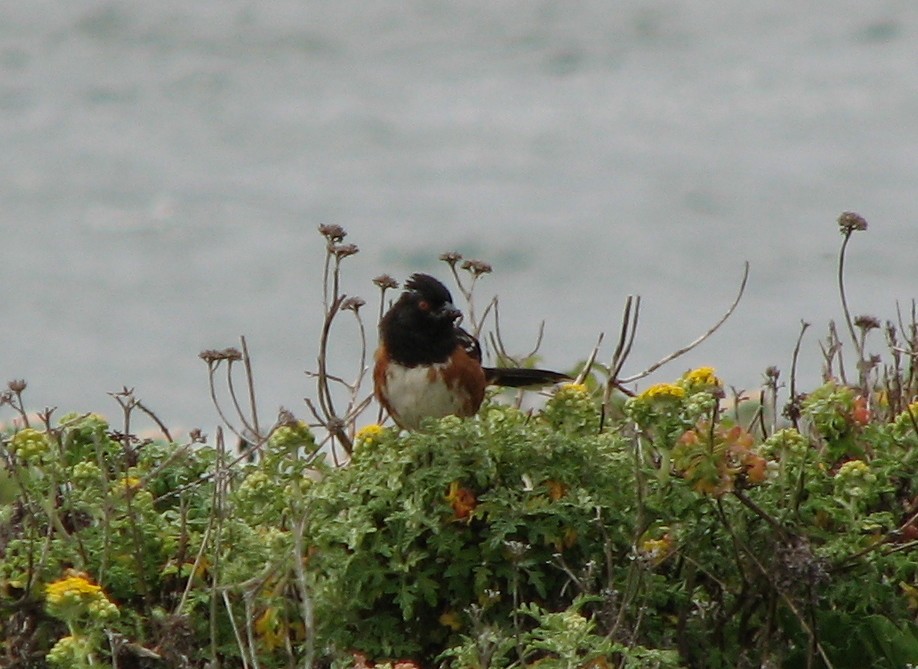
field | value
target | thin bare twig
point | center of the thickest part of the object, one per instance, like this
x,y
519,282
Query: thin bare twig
x,y
626,337
685,349
590,361
844,298
236,633
326,402
793,370
212,367
247,598
299,556
217,524
250,380
497,340
761,513
250,429
162,426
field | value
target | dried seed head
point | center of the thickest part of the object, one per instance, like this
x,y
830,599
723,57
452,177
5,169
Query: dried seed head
x,y
794,407
343,250
333,233
772,373
212,355
867,322
850,222
209,356
385,281
451,257
286,418
353,304
476,267
196,436
16,385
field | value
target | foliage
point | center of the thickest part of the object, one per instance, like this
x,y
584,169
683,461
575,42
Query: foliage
x,y
504,541
492,512
687,530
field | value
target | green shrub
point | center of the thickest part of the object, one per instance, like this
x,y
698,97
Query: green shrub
x,y
667,529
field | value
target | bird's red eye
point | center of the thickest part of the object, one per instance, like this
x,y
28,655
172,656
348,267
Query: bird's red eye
x,y
424,305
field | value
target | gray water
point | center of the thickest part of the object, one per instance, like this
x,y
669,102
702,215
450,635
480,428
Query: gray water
x,y
165,166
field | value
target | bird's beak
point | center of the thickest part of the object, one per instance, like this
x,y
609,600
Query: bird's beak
x,y
448,312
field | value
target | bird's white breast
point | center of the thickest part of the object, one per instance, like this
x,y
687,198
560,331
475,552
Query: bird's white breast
x,y
414,393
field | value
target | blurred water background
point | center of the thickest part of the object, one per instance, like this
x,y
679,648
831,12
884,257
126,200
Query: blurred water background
x,y
165,166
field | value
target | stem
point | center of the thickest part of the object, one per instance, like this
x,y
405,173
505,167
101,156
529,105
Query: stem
x,y
761,513
250,380
844,299
217,524
300,571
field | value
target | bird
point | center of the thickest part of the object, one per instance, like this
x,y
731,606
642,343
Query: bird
x,y
426,366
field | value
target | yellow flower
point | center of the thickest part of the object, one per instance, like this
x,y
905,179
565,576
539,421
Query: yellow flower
x,y
574,389
127,483
75,595
663,391
70,650
854,479
30,444
853,469
369,434
71,588
701,377
293,435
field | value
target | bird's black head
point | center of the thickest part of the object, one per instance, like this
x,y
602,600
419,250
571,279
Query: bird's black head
x,y
420,328
430,296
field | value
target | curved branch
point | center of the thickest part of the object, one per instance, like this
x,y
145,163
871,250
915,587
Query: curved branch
x,y
685,349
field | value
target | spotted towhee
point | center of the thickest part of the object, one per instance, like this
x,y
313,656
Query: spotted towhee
x,y
428,366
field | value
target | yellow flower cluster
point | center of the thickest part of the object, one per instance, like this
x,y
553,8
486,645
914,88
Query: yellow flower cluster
x,y
70,651
700,378
785,443
86,473
71,587
29,444
294,435
369,434
75,595
573,409
853,469
663,391
127,483
573,389
855,480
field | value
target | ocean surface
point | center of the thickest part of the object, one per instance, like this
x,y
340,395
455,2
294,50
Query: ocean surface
x,y
165,166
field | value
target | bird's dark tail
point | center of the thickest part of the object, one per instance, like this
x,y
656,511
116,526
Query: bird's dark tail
x,y
514,377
